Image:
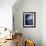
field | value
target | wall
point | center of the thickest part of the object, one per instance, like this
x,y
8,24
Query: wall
x,y
6,16
43,22
29,33
6,13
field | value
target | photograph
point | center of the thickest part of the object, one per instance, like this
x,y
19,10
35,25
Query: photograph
x,y
22,22
29,19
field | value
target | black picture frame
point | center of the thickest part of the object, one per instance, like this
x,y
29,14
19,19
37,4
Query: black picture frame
x,y
29,19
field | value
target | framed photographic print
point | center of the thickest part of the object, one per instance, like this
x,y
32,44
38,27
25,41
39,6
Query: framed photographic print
x,y
29,19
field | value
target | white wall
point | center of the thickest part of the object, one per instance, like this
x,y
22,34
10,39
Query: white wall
x,y
43,22
6,13
31,6
37,33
